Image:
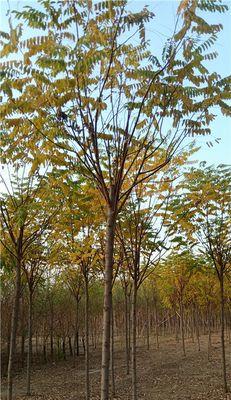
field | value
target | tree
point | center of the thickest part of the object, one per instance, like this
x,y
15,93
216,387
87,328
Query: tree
x,y
204,211
95,101
204,295
7,295
33,267
126,283
138,232
22,223
176,274
78,237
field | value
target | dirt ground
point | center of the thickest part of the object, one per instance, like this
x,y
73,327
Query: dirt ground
x,y
163,374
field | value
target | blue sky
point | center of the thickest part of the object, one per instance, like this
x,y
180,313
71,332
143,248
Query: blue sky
x,y
158,31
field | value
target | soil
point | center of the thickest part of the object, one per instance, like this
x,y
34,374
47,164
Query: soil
x,y
163,374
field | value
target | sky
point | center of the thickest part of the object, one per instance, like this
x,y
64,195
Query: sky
x,y
158,30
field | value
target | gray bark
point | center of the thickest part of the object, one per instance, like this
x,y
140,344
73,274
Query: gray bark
x,y
77,327
14,324
87,376
223,333
110,235
182,327
127,332
134,326
29,353
112,353
147,325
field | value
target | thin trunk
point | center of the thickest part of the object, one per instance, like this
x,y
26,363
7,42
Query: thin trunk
x,y
83,344
177,328
52,346
147,325
223,332
77,343
70,346
209,330
29,353
127,317
36,345
52,331
22,349
58,347
92,335
192,325
8,343
77,327
112,353
22,334
157,326
64,348
182,325
110,235
44,351
87,376
197,329
14,324
95,334
134,326
129,325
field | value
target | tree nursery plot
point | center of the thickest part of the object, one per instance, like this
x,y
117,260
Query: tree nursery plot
x,y
115,241
164,373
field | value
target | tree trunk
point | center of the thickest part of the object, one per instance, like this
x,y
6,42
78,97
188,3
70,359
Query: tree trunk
x,y
112,353
52,331
77,327
29,352
182,325
77,343
127,317
157,325
192,325
52,346
134,323
14,324
209,330
70,346
198,330
147,324
223,332
58,347
110,235
64,348
87,376
22,330
44,351
129,325
83,344
36,344
95,334
8,342
178,328
22,349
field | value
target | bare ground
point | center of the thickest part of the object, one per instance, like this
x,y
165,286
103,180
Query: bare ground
x,y
163,374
